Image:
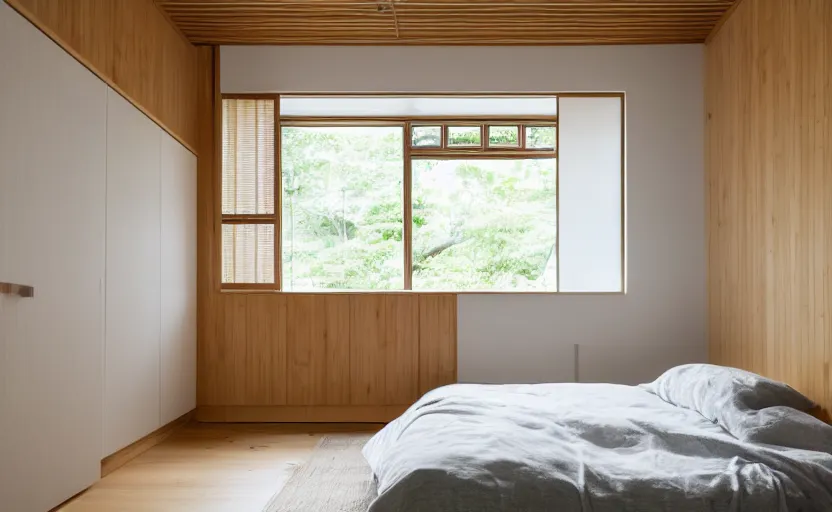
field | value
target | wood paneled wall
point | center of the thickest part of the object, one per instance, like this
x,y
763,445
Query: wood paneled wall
x,y
769,172
267,356
270,349
131,45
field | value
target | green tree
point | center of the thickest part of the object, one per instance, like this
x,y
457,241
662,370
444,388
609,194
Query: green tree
x,y
477,224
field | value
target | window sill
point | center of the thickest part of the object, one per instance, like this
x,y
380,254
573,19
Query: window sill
x,y
409,292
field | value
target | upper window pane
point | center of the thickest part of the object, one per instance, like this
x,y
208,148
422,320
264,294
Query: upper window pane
x,y
415,106
248,157
343,208
464,136
503,136
484,225
541,137
426,136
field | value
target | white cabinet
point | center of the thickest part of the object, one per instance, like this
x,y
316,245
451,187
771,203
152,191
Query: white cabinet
x,y
98,213
178,341
132,362
52,176
150,363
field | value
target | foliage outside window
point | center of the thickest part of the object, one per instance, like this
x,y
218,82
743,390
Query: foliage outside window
x,y
482,213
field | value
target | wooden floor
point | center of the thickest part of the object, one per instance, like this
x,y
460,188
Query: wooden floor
x,y
209,468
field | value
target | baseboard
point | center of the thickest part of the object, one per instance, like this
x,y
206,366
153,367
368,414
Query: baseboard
x,y
130,452
300,413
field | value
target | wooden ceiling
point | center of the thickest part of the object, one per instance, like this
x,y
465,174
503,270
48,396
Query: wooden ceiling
x,y
445,22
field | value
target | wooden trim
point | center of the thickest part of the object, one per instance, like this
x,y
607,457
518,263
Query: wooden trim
x,y
130,452
248,286
407,184
66,502
278,197
557,200
248,219
251,96
332,122
300,413
476,152
267,289
721,21
623,191
216,170
102,74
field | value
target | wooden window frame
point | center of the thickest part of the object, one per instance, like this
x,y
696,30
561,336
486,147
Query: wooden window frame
x,y
520,138
255,219
410,152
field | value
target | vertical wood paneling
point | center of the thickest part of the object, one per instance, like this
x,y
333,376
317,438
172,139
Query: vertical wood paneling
x,y
318,330
231,361
80,24
131,45
325,350
207,243
768,156
367,349
437,341
401,353
265,367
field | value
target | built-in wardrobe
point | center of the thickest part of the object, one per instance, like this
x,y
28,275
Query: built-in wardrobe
x,y
98,216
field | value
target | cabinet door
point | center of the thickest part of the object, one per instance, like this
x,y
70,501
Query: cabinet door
x,y
178,280
131,387
52,142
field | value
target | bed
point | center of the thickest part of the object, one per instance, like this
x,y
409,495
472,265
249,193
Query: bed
x,y
700,437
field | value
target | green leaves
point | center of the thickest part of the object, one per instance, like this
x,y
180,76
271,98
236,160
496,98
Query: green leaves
x,y
477,224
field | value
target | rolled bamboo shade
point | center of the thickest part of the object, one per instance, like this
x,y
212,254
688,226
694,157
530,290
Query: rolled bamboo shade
x,y
248,190
248,157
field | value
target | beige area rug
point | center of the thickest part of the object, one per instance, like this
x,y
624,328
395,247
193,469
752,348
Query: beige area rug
x,y
335,479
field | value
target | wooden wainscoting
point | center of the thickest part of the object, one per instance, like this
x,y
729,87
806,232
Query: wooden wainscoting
x,y
133,46
769,189
320,357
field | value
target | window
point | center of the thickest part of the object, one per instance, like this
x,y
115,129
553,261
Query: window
x,y
248,191
424,194
343,207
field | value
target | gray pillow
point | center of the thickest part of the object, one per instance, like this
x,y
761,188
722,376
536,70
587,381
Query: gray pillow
x,y
724,395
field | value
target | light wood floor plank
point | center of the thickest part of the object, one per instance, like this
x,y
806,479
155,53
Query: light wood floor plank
x,y
209,468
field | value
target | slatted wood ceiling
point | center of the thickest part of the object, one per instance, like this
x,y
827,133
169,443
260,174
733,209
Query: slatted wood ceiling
x,y
457,22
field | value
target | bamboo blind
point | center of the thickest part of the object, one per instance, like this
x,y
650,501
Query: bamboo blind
x,y
248,191
449,22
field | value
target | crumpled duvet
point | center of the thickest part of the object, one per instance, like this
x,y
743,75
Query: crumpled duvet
x,y
582,447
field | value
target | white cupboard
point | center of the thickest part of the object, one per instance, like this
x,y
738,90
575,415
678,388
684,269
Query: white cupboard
x,y
178,320
53,119
97,212
132,361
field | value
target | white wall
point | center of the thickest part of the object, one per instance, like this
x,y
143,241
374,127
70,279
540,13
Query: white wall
x,y
661,320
